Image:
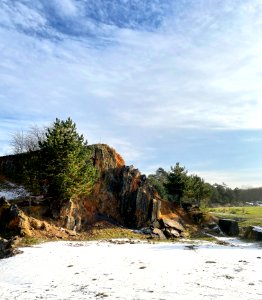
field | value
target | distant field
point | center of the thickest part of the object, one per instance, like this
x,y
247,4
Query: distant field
x,y
247,215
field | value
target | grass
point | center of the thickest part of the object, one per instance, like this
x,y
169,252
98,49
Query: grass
x,y
247,215
30,241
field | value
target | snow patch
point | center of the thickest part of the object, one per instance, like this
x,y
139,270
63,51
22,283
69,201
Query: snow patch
x,y
12,191
257,228
96,270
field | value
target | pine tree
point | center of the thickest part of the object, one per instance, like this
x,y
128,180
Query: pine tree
x,y
66,163
176,183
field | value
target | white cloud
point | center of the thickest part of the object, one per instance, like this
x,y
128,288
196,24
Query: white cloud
x,y
240,179
200,69
19,14
207,85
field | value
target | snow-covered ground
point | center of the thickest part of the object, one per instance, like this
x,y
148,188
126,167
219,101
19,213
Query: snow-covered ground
x,y
12,191
97,270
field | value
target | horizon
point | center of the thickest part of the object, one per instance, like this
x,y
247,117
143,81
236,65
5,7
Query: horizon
x,y
160,81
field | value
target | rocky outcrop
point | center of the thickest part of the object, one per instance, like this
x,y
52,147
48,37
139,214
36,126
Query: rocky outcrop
x,y
229,227
12,220
122,194
16,224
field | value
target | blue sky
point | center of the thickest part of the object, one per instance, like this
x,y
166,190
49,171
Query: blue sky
x,y
162,81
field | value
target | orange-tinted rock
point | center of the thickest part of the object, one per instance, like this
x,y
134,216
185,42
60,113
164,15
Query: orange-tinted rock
x,y
12,220
121,194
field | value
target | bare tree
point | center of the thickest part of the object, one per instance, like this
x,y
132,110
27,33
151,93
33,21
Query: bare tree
x,y
17,142
24,142
35,135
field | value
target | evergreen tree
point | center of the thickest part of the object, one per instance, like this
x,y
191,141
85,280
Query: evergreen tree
x,y
67,168
197,190
158,180
176,183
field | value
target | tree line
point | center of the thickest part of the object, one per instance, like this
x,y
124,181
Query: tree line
x,y
178,186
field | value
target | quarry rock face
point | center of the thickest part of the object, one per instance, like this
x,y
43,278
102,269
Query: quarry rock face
x,y
122,194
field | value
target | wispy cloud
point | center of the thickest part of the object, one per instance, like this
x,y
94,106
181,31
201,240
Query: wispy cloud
x,y
244,178
133,72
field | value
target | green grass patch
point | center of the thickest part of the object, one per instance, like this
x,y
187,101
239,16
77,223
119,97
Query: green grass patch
x,y
247,215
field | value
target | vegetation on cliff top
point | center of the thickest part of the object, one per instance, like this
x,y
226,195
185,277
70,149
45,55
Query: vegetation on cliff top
x,y
60,163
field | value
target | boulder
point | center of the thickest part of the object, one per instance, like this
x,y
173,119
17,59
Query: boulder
x,y
229,227
253,233
171,233
168,223
159,233
213,228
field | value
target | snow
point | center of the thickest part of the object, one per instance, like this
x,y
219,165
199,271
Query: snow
x,y
257,228
9,195
97,270
12,191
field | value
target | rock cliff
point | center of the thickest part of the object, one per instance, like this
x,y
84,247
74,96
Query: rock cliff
x,y
122,194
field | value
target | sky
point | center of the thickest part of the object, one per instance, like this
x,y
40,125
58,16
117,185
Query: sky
x,y
161,81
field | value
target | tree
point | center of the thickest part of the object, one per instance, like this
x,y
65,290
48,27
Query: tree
x,y
197,190
176,183
17,142
223,195
67,167
158,180
34,136
22,142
